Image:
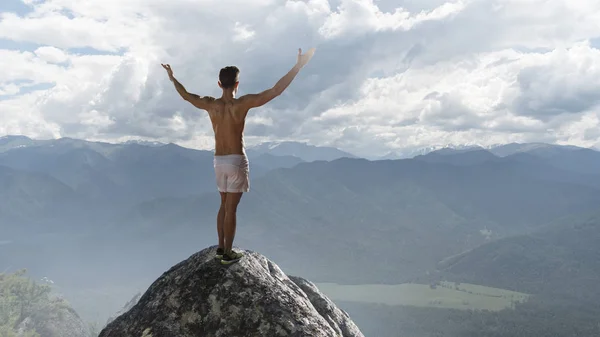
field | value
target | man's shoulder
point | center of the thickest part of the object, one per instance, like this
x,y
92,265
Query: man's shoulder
x,y
236,100
245,101
221,101
235,106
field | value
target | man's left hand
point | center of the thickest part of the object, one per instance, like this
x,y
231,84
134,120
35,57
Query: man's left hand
x,y
168,69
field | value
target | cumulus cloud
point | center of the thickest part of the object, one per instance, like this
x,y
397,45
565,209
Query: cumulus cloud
x,y
387,74
51,54
362,16
242,32
564,81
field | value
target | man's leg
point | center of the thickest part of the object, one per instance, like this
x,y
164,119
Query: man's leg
x,y
237,185
221,221
231,203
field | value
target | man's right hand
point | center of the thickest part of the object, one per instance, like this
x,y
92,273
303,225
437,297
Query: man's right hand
x,y
304,58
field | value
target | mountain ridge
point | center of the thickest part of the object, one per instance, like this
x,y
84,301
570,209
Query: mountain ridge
x,y
304,151
323,219
559,259
422,204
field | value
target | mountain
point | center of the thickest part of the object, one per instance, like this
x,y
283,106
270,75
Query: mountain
x,y
80,204
539,149
407,154
200,297
392,155
566,157
458,149
459,157
585,161
35,202
504,150
420,211
580,160
144,142
442,149
270,162
13,142
116,174
561,259
303,151
120,175
500,150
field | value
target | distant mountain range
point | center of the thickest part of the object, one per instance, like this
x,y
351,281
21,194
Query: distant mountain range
x,y
300,150
303,151
132,171
421,211
500,150
411,153
71,208
571,158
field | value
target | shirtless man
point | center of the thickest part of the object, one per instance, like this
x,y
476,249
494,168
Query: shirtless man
x,y
228,115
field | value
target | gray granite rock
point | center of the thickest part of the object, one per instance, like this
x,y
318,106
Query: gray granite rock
x,y
338,319
200,297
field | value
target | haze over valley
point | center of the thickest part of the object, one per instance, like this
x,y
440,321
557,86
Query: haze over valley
x,y
102,221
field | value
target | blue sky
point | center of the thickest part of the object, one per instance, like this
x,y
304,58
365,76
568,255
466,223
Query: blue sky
x,y
18,7
15,6
388,75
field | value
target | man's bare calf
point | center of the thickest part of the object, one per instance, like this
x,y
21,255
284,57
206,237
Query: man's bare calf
x,y
228,227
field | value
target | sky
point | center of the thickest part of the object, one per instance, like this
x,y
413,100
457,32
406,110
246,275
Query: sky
x,y
387,75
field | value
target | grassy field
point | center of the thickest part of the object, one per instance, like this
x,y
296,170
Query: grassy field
x,y
445,295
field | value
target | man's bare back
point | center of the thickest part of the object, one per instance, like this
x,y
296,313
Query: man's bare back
x,y
228,117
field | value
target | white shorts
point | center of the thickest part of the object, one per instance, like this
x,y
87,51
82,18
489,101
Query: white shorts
x,y
232,172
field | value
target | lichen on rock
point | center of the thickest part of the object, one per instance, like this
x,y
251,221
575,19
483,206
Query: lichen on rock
x,y
200,297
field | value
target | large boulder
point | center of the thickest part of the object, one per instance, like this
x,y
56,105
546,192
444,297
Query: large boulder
x,y
201,297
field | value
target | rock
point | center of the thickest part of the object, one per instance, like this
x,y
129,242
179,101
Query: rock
x,y
126,308
200,297
338,319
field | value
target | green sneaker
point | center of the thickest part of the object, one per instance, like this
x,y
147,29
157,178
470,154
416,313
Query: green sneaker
x,y
231,257
220,252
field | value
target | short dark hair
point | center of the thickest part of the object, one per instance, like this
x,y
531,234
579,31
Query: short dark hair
x,y
229,76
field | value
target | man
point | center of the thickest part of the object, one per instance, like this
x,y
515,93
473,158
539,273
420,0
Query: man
x,y
228,115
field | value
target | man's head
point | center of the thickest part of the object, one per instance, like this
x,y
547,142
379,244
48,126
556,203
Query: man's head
x,y
229,77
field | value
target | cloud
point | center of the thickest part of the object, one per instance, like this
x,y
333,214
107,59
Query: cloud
x,y
9,89
242,32
28,67
356,17
477,101
51,54
60,30
387,74
564,81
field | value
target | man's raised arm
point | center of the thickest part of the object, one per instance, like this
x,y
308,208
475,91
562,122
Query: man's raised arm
x,y
196,100
256,100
